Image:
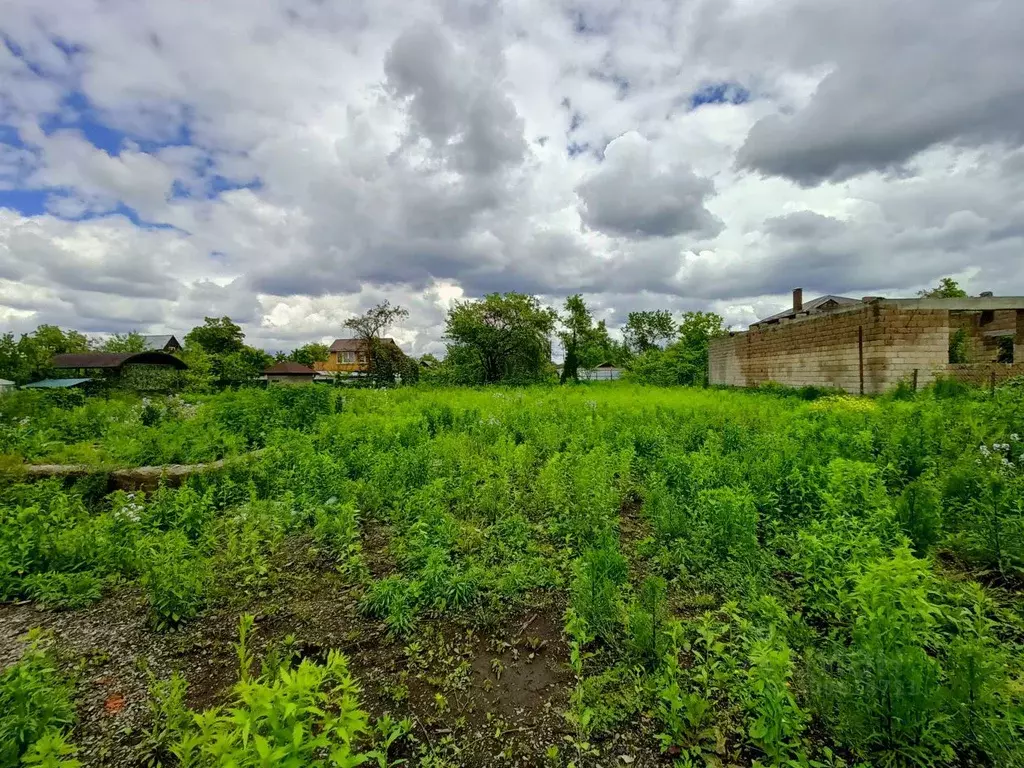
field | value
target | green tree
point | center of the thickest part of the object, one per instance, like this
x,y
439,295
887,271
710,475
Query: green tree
x,y
240,367
695,333
577,324
600,347
385,361
133,341
199,376
30,357
647,330
217,335
509,334
686,360
311,353
948,288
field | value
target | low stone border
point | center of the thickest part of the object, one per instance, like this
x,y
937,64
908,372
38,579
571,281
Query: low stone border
x,y
130,479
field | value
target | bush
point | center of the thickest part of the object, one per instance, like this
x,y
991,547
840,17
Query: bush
x,y
175,576
919,513
64,590
891,704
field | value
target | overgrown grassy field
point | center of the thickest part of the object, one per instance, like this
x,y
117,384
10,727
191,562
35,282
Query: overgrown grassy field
x,y
591,575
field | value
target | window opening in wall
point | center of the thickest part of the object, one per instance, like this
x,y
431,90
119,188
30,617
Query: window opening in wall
x,y
348,357
1005,349
958,347
987,316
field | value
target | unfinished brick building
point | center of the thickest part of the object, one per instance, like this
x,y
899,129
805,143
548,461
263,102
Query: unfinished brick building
x,y
868,345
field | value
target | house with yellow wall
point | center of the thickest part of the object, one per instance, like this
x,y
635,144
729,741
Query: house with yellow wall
x,y
349,356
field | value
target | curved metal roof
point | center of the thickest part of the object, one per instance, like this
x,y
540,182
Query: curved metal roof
x,y
116,360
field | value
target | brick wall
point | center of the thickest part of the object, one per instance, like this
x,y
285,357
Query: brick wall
x,y
825,350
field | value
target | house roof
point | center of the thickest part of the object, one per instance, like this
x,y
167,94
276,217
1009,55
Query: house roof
x,y
116,359
159,342
55,383
357,345
811,307
289,368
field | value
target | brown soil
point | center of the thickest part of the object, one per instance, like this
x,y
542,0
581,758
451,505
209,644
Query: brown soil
x,y
478,694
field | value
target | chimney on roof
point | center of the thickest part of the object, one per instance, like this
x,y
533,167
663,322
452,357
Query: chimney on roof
x,y
798,299
986,294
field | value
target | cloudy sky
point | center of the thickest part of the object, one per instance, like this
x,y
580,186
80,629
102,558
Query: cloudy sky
x,y
290,162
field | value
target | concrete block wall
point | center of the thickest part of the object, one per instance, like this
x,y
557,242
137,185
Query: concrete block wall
x,y
825,350
982,347
1018,339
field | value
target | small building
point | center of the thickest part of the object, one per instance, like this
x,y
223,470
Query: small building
x,y
115,361
351,356
602,372
289,372
6,385
869,345
162,343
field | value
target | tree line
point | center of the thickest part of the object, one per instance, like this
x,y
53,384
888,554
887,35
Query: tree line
x,y
508,338
501,338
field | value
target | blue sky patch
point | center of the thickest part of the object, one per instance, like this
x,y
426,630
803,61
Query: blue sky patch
x,y
719,93
28,202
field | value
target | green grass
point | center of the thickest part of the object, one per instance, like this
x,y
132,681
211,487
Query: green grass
x,y
749,576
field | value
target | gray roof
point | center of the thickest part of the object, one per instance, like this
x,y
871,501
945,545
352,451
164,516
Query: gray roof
x,y
810,307
159,342
55,383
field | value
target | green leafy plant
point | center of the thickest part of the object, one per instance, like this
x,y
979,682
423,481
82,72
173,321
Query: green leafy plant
x,y
35,709
648,618
169,720
891,699
776,721
64,590
596,598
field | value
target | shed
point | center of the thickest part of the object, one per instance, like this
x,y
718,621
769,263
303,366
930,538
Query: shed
x,y
56,384
6,385
289,372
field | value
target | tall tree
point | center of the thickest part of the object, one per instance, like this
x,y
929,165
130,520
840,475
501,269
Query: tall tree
x,y
217,336
948,288
602,348
385,362
132,341
695,333
647,330
309,354
577,328
509,334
